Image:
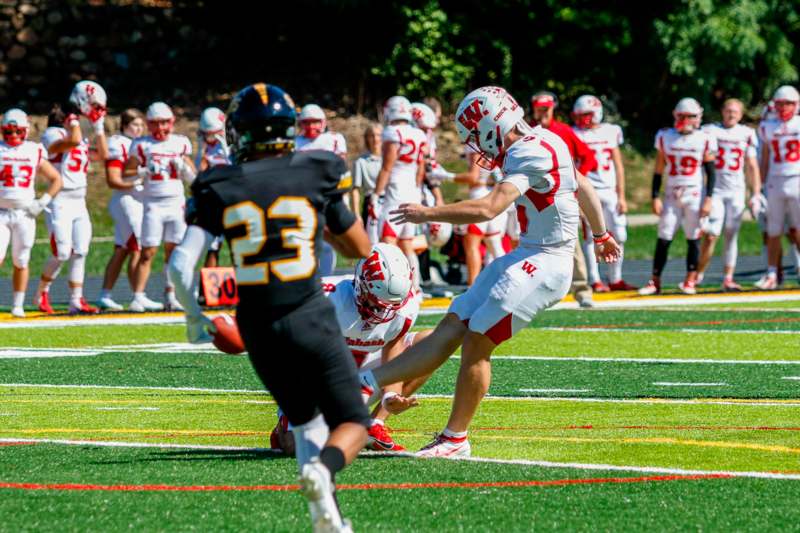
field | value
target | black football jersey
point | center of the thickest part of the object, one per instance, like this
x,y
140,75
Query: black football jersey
x,y
272,213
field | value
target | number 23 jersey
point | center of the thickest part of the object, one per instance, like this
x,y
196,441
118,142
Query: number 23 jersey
x,y
272,212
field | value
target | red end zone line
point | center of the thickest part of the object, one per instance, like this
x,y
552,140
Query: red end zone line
x,y
361,486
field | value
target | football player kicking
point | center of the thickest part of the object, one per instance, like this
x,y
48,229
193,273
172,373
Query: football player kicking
x,y
376,310
539,175
272,205
736,157
684,151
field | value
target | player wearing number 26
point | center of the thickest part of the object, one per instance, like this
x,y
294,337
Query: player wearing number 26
x,y
272,205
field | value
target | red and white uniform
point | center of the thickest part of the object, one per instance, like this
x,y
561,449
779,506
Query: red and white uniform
x,y
215,155
68,219
509,292
734,146
327,140
683,174
164,199
782,139
125,206
18,166
366,339
402,187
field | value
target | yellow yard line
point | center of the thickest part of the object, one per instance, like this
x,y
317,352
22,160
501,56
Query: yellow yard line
x,y
137,431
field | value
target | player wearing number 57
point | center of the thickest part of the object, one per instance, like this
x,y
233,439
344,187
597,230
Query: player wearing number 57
x,y
272,205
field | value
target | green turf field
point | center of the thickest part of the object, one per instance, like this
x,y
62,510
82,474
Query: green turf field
x,y
661,418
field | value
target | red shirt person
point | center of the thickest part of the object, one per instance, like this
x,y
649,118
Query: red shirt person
x,y
543,104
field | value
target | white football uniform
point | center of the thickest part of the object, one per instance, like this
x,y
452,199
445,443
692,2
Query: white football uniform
x,y
734,146
126,206
215,155
683,175
402,187
18,166
509,292
164,200
782,140
327,141
365,339
67,217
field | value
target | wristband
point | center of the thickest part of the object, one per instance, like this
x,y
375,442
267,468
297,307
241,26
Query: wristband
x,y
603,237
388,396
45,199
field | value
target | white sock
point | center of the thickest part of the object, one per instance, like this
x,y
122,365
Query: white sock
x,y
76,293
139,296
615,269
772,271
19,298
592,267
454,434
309,439
377,422
105,293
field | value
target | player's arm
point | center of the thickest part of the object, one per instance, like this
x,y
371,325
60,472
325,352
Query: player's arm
x,y
394,391
182,264
54,185
619,168
343,230
466,212
655,190
606,248
132,166
389,152
115,179
764,168
711,178
73,138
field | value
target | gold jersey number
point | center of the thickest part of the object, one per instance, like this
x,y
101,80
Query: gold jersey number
x,y
299,237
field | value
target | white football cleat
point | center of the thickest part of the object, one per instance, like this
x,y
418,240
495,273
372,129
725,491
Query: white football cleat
x,y
767,283
143,304
108,304
316,486
172,303
687,287
650,289
443,446
18,312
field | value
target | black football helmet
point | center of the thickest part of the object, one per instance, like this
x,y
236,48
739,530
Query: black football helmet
x,y
260,120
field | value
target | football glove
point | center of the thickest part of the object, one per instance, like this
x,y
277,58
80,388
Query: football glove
x,y
34,208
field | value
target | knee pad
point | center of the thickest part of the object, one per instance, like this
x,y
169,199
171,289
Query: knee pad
x,y
21,261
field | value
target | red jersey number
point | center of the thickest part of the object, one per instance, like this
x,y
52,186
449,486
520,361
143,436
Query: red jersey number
x,y
7,176
791,150
688,165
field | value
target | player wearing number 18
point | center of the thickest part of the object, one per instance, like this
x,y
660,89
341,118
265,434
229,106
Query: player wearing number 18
x,y
272,205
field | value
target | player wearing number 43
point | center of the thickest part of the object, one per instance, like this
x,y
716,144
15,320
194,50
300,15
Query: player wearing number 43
x,y
780,165
683,151
540,177
272,205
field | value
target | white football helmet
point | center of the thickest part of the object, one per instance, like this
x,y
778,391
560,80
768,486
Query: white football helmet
x,y
212,120
786,100
688,114
90,99
15,126
585,105
438,233
382,283
483,119
312,121
423,115
160,120
396,108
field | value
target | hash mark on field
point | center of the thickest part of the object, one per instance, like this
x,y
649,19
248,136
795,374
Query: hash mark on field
x,y
359,486
127,408
792,378
555,390
679,384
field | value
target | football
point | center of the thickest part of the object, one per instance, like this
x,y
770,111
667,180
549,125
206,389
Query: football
x,y
227,338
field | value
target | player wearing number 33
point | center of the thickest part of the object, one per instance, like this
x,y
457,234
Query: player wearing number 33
x,y
272,205
540,177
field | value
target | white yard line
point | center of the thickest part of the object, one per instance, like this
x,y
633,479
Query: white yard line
x,y
654,360
682,384
792,378
641,401
556,390
520,462
167,318
127,408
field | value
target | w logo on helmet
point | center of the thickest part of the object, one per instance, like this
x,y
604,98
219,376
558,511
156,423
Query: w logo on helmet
x,y
472,115
371,270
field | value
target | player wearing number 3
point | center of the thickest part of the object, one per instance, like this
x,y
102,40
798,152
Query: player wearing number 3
x,y
780,165
272,205
540,178
683,151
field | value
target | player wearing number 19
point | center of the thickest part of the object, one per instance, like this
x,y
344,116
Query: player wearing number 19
x,y
272,205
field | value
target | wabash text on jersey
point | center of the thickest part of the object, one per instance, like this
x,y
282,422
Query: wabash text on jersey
x,y
272,212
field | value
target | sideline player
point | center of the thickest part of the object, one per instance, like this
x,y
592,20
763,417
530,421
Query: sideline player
x,y
780,167
68,218
212,151
376,310
540,176
125,206
684,151
163,160
21,161
608,179
272,206
400,180
736,159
